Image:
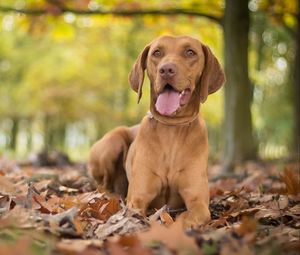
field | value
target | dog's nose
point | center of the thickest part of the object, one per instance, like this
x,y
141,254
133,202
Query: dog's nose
x,y
167,70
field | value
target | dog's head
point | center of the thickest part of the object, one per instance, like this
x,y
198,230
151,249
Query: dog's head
x,y
182,72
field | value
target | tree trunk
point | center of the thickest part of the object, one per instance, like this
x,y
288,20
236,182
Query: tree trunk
x,y
48,134
29,133
54,133
14,134
239,140
296,140
60,134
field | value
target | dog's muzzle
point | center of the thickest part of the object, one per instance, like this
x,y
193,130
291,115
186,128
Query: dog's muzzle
x,y
169,101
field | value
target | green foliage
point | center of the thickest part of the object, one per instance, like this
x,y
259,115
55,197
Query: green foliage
x,y
66,74
271,69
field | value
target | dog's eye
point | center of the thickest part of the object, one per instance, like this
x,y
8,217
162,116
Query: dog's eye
x,y
156,53
190,53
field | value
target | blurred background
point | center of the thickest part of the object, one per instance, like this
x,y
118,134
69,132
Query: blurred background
x,y
64,67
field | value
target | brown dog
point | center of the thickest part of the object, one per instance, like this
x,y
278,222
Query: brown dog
x,y
165,158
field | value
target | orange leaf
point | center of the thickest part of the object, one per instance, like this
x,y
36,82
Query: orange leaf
x,y
248,226
166,218
100,208
173,236
6,186
291,179
127,245
21,247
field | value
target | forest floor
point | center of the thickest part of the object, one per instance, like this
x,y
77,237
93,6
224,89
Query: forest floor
x,y
56,210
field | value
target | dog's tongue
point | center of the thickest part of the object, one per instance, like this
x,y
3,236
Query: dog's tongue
x,y
168,102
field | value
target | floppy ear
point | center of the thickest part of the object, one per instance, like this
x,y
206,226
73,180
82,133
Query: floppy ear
x,y
212,77
136,75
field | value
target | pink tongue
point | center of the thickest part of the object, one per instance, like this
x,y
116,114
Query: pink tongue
x,y
167,102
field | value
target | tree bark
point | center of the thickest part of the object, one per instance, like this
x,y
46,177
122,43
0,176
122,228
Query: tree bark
x,y
48,134
54,133
60,133
239,140
14,134
296,143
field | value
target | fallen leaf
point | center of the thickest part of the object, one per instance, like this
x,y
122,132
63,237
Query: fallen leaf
x,y
88,196
156,215
42,185
6,186
100,208
248,225
73,246
125,221
233,246
221,186
295,209
173,237
127,245
166,218
5,202
22,247
22,218
267,213
291,179
248,228
63,223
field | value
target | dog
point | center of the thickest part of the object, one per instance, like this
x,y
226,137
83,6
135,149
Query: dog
x,y
163,160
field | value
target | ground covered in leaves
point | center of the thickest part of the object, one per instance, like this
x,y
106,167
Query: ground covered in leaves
x,y
51,210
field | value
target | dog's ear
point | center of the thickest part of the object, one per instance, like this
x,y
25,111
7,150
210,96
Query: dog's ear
x,y
136,75
212,77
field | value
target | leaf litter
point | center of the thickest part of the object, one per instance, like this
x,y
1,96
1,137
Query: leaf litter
x,y
59,210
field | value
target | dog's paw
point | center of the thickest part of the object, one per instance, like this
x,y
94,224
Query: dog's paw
x,y
138,205
192,220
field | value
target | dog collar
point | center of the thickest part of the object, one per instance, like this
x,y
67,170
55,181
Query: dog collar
x,y
184,123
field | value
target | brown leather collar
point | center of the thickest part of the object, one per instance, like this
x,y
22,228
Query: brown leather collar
x,y
184,123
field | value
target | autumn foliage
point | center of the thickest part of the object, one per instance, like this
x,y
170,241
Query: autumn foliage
x,y
60,211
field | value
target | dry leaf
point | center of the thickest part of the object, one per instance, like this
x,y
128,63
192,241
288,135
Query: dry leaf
x,y
291,179
47,205
173,237
248,225
232,246
62,223
267,213
6,186
222,186
127,245
42,185
22,247
100,208
166,218
156,215
72,246
248,228
125,221
295,209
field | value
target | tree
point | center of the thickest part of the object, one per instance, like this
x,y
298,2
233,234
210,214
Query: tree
x,y
296,144
235,148
239,141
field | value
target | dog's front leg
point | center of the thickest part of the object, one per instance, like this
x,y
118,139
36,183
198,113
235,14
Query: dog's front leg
x,y
143,187
195,194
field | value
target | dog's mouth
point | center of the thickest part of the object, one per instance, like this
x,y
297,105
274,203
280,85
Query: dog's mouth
x,y
169,101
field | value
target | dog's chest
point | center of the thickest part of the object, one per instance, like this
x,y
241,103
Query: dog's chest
x,y
172,150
